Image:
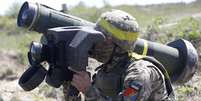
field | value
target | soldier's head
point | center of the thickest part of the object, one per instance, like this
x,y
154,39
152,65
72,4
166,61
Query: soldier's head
x,y
121,31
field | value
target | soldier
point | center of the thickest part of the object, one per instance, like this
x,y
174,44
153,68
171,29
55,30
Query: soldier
x,y
124,76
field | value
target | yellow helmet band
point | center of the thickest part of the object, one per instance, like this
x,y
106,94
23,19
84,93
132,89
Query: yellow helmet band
x,y
117,33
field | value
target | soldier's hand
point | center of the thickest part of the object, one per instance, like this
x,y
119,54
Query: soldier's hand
x,y
81,81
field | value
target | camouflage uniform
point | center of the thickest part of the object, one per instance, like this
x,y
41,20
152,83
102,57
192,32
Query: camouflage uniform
x,y
145,78
67,91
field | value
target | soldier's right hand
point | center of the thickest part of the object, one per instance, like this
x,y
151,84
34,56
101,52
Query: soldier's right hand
x,y
81,80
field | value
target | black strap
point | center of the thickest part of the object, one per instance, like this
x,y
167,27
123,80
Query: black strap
x,y
163,70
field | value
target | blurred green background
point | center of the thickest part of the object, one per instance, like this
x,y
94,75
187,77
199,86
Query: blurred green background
x,y
160,22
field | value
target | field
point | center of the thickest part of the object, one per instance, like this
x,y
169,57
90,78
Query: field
x,y
160,23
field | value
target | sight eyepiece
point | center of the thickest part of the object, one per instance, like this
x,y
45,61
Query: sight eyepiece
x,y
32,77
36,51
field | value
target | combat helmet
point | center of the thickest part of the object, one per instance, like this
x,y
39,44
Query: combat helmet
x,y
120,26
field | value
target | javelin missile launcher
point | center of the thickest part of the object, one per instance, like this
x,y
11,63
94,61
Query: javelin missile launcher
x,y
67,40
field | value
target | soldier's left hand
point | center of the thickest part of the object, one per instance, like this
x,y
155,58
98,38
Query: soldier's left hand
x,y
81,81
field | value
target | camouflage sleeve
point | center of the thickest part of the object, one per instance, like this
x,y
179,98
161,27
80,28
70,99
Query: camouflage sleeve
x,y
146,81
93,94
69,93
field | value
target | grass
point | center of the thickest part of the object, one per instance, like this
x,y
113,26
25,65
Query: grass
x,y
183,92
14,38
19,43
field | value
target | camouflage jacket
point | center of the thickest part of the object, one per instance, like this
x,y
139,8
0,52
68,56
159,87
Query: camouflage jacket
x,y
134,80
